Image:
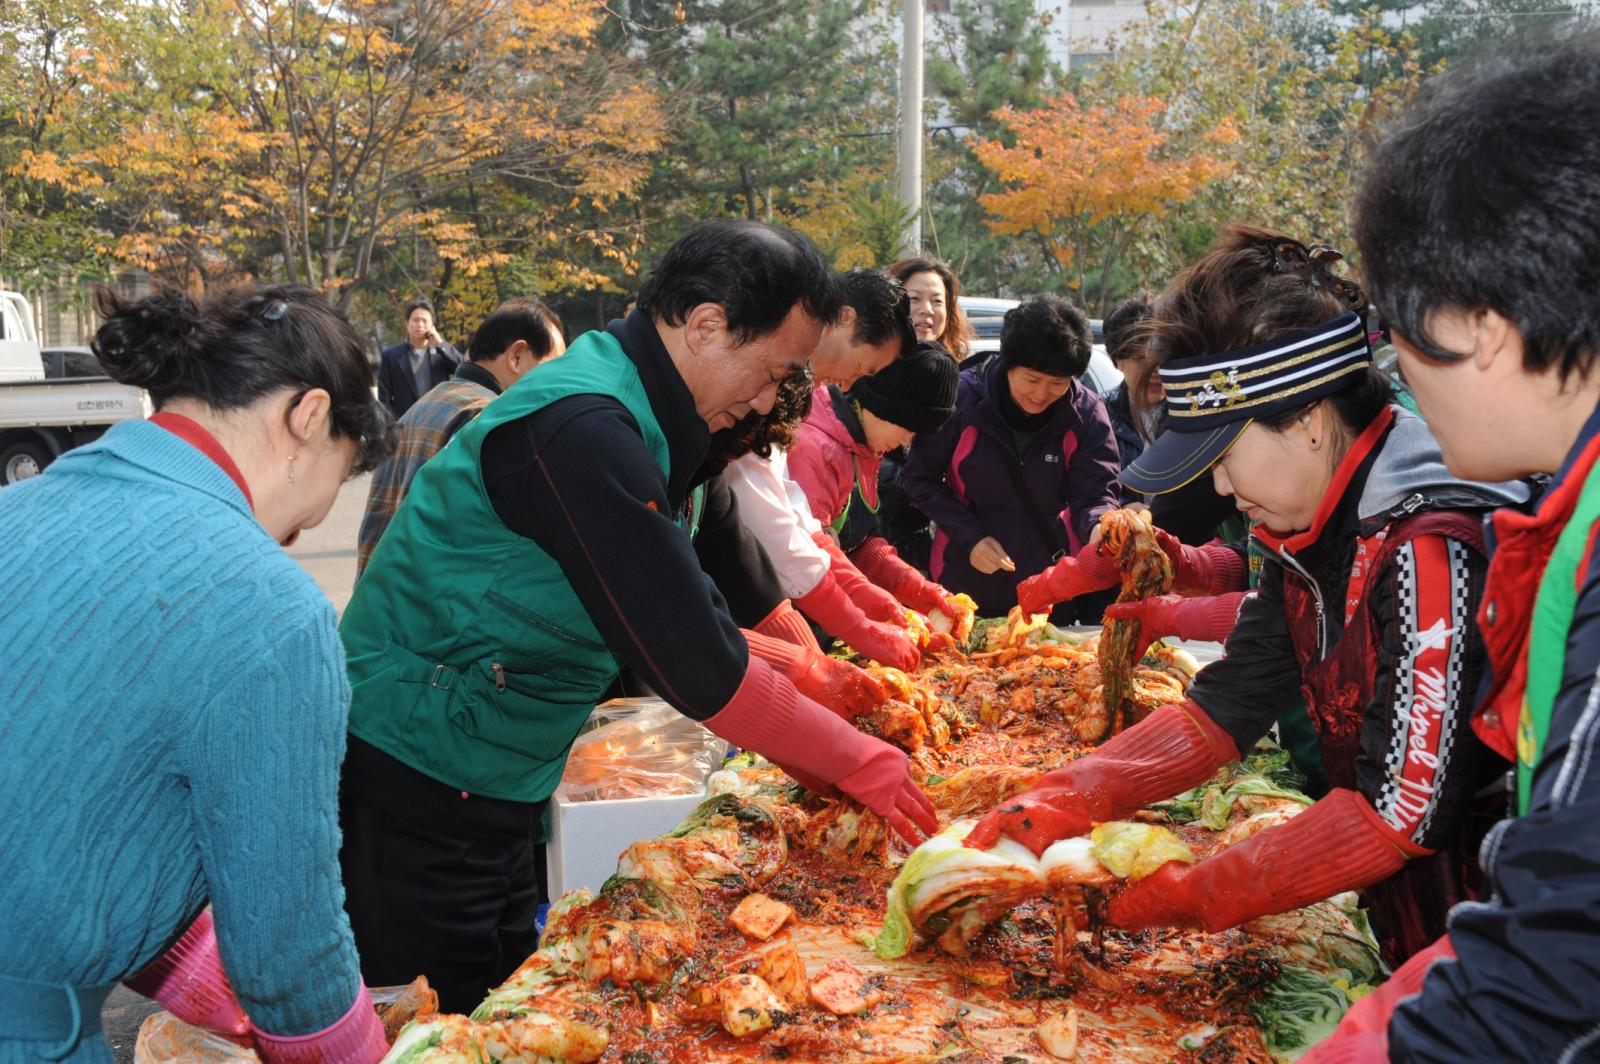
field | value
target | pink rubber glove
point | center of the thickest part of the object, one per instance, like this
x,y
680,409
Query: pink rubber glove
x,y
1182,618
1338,844
871,599
766,714
1087,571
879,563
189,982
786,624
354,1038
883,643
1171,750
1212,569
839,685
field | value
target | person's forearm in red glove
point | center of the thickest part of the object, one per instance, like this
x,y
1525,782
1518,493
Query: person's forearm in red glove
x,y
1179,617
766,714
1338,844
886,644
1171,750
787,624
1086,571
1212,569
1362,1037
189,982
869,598
879,563
839,685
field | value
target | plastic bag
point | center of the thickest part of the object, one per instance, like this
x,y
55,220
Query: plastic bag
x,y
641,748
163,1037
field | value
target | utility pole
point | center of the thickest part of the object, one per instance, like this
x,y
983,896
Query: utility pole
x,y
909,156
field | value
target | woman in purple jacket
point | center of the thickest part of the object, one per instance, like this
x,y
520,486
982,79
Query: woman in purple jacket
x,y
1022,472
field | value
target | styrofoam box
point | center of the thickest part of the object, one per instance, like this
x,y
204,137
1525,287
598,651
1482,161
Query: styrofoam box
x,y
587,837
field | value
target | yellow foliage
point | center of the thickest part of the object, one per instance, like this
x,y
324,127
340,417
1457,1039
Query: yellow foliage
x,y
1075,166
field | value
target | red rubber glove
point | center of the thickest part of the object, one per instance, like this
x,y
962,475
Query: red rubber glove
x,y
1087,571
1338,844
1171,750
1213,569
766,714
883,643
189,982
1362,1037
354,1038
869,598
879,563
785,623
836,684
1182,618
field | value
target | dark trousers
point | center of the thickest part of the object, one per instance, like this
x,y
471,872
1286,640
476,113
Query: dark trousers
x,y
436,884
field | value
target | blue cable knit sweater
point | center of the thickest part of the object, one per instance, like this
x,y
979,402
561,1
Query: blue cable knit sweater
x,y
173,706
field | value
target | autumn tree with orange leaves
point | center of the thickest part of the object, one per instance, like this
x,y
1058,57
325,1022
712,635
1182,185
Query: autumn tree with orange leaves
x,y
1084,182
310,141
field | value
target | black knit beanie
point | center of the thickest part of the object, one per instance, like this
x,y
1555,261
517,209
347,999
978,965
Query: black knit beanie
x,y
916,392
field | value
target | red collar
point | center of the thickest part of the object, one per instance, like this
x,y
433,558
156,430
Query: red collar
x,y
1555,508
1365,444
191,432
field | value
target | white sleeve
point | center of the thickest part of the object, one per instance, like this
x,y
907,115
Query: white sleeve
x,y
797,495
776,513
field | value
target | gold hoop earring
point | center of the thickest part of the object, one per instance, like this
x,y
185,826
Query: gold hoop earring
x,y
291,467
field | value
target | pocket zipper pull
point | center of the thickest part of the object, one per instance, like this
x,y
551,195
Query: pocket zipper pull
x,y
499,676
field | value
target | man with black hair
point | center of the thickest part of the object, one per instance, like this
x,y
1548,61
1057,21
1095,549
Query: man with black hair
x,y
1021,474
519,335
873,329
1123,344
533,557
1479,229
409,369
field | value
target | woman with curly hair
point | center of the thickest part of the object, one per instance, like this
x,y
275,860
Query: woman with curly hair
x,y
736,561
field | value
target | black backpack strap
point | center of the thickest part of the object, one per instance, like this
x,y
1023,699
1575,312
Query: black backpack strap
x,y
1029,507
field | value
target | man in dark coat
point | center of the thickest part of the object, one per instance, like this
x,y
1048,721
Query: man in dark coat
x,y
407,370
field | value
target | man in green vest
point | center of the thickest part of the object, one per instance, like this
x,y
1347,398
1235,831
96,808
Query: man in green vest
x,y
533,557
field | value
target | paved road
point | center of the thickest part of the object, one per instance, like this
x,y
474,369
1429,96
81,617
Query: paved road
x,y
328,553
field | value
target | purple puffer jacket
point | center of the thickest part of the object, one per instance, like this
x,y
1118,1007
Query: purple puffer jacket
x,y
959,477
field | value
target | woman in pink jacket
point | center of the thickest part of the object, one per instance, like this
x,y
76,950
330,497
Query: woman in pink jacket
x,y
836,455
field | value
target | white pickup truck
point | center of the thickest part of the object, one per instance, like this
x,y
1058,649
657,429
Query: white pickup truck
x,y
41,417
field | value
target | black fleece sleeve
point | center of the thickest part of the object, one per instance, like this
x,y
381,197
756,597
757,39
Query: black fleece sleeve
x,y
578,480
1258,678
733,558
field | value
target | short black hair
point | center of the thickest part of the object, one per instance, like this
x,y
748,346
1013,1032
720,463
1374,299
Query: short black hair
x,y
757,272
235,346
528,320
1047,334
419,304
1484,196
1121,327
883,310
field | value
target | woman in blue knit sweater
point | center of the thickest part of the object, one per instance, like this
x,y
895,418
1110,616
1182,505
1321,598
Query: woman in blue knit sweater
x,y
173,698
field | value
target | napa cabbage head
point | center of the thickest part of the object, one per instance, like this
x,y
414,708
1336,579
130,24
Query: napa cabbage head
x,y
1132,850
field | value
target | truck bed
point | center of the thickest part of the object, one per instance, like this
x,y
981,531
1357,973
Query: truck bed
x,y
69,401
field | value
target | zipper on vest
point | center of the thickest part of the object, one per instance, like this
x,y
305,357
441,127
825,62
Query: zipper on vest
x,y
499,676
1316,594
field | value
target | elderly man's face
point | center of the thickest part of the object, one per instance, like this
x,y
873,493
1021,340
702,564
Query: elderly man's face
x,y
730,380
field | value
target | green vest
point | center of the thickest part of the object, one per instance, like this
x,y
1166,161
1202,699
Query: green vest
x,y
471,658
1553,606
